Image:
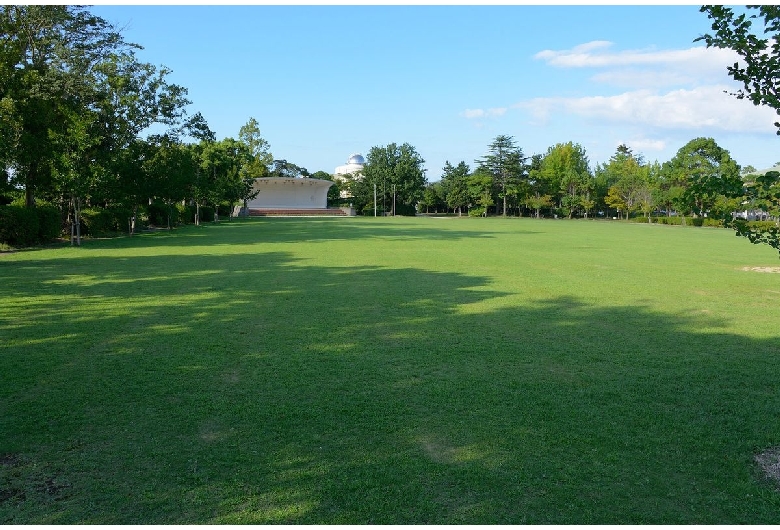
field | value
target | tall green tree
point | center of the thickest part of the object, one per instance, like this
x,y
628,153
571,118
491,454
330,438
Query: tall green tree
x,y
397,171
454,185
706,172
48,55
75,166
170,168
433,198
539,196
259,149
480,188
629,188
221,179
566,170
504,163
285,169
260,160
68,72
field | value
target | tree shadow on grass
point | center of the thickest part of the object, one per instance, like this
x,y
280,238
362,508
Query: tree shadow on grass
x,y
286,230
258,389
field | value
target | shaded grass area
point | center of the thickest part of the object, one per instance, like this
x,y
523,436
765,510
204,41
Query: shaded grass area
x,y
390,371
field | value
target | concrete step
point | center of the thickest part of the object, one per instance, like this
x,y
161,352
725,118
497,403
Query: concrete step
x,y
283,212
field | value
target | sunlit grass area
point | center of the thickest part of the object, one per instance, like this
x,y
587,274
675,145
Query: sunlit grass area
x,y
391,370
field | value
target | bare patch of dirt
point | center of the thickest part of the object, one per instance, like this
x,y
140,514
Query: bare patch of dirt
x,y
232,376
769,462
772,270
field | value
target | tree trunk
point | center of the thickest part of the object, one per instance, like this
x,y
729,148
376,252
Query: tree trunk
x,y
29,185
75,225
132,219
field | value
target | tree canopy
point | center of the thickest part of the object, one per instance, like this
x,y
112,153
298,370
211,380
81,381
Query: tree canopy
x,y
74,96
504,163
759,73
397,171
758,48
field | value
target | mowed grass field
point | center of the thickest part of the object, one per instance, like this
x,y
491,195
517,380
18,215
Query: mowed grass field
x,y
391,370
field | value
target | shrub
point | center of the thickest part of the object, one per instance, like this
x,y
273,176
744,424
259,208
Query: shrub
x,y
19,225
183,214
477,211
105,221
711,221
49,223
158,214
206,214
669,220
223,210
761,225
405,209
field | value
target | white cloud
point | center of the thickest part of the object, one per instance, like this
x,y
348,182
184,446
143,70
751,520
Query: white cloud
x,y
480,113
645,68
702,107
636,78
473,113
645,144
583,56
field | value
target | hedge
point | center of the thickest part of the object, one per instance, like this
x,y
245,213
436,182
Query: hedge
x,y
49,223
106,221
21,226
762,225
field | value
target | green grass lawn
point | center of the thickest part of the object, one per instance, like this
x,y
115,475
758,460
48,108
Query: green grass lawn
x,y
391,370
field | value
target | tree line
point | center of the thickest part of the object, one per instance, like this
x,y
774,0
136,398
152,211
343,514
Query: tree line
x,y
701,180
74,102
75,99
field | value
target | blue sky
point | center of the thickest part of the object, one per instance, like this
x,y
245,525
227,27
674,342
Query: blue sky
x,y
328,81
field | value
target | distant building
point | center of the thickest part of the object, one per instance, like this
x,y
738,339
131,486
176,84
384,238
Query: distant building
x,y
353,166
755,214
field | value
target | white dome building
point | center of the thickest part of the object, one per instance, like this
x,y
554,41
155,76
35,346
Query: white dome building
x,y
353,166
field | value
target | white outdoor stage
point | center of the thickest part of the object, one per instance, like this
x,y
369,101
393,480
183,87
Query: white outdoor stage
x,y
275,193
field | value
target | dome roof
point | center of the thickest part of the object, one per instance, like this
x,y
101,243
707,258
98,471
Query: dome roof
x,y
356,159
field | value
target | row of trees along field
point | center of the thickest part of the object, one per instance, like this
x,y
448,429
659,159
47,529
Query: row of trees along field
x,y
702,180
74,101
